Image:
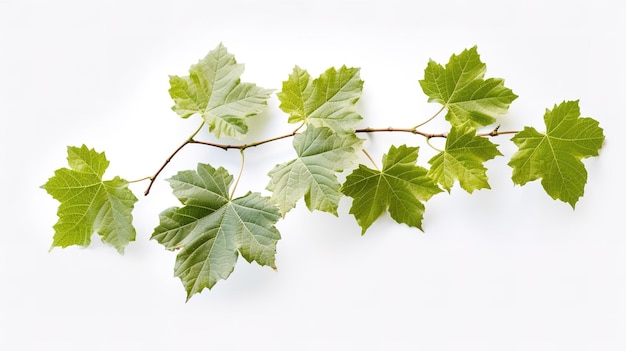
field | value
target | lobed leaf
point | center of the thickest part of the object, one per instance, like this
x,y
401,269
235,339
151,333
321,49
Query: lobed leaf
x,y
328,101
462,159
321,153
555,156
214,90
461,88
90,204
212,230
400,187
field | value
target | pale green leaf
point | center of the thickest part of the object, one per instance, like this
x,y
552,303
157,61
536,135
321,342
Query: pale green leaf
x,y
400,187
211,230
463,159
214,90
90,204
461,88
555,156
321,153
328,101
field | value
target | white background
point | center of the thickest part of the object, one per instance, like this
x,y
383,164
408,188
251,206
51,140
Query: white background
x,y
501,269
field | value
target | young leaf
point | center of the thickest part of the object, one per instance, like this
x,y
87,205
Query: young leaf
x,y
213,229
321,153
90,204
400,187
213,89
461,89
327,101
463,159
555,156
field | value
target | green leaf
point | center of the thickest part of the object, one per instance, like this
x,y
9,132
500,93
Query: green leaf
x,y
212,230
555,156
90,204
461,89
320,154
462,159
327,101
400,187
214,90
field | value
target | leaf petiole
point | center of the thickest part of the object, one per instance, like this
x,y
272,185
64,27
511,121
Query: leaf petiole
x,y
190,139
140,180
243,160
432,146
371,159
430,119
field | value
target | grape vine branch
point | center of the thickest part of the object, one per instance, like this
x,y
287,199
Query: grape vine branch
x,y
212,227
242,147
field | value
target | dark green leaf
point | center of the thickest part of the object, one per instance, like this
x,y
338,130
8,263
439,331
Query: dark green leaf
x,y
400,187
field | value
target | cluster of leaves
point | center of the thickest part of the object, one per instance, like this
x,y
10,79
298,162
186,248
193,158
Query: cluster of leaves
x,y
211,228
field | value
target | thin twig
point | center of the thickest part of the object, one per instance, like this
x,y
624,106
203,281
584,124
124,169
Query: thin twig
x,y
169,159
242,147
400,130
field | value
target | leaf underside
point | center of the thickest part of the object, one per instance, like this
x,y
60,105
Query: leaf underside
x,y
214,90
328,101
321,153
211,229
